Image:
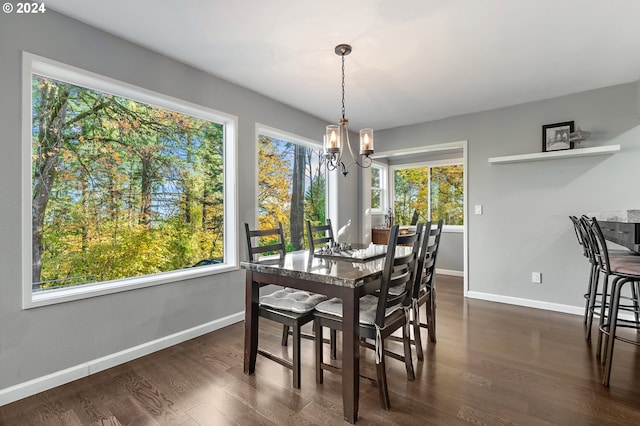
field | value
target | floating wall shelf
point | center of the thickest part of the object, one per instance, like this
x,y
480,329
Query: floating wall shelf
x,y
539,156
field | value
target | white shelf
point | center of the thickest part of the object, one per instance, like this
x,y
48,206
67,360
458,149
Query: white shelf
x,y
539,156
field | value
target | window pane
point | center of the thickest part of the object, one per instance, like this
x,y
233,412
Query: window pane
x,y
375,177
291,188
375,199
447,194
411,188
120,188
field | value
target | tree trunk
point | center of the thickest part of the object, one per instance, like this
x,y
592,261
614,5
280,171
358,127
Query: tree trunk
x,y
145,190
52,118
296,215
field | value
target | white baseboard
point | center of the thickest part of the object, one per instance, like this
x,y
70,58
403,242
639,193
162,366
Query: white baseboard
x,y
450,272
40,384
548,306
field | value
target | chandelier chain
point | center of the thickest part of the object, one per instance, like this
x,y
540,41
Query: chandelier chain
x,y
343,86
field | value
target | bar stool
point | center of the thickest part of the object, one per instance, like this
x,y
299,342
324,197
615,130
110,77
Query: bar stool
x,y
626,271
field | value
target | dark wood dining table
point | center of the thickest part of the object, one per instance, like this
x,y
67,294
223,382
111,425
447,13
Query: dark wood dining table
x,y
349,280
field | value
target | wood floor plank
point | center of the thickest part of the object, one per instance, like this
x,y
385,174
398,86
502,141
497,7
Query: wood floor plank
x,y
493,364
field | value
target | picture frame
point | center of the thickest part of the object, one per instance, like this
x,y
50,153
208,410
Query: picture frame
x,y
555,137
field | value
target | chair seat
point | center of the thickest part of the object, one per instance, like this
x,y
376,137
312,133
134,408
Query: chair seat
x,y
288,299
368,305
628,265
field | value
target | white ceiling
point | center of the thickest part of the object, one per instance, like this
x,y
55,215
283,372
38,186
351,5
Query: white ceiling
x,y
412,60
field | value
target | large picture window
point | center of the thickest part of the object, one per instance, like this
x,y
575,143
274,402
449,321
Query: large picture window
x,y
292,185
124,184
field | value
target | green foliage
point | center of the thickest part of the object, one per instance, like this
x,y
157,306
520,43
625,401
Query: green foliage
x,y
275,171
411,187
121,189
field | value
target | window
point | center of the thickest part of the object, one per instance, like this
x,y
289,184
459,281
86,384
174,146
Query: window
x,y
292,185
378,188
433,190
128,188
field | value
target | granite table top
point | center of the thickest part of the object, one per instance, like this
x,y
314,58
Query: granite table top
x,y
304,265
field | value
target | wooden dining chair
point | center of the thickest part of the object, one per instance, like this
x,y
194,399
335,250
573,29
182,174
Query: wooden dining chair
x,y
289,307
325,231
380,314
424,290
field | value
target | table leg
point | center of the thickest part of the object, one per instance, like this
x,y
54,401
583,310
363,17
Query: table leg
x,y
252,293
350,355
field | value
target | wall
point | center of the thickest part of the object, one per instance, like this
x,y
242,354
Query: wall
x,y
42,341
450,253
525,225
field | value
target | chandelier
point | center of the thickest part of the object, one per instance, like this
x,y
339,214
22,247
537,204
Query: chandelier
x,y
337,135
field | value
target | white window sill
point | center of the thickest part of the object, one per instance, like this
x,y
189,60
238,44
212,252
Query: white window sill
x,y
51,297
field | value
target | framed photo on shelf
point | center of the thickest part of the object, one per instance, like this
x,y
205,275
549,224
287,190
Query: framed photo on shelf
x,y
555,137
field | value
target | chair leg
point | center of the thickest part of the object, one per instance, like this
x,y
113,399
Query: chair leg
x,y
416,330
613,320
587,304
591,301
333,343
432,314
634,298
383,388
603,312
406,341
296,356
318,340
285,335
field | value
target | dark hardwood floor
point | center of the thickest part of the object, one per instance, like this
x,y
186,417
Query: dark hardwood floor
x,y
493,364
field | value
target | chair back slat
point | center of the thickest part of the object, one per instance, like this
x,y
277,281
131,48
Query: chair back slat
x,y
598,244
325,231
255,248
427,258
399,271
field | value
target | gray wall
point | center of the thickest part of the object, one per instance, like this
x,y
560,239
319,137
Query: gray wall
x,y
450,252
44,340
525,225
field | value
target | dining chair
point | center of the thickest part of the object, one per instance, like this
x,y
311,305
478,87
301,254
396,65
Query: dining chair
x,y
325,231
625,270
289,307
380,314
424,290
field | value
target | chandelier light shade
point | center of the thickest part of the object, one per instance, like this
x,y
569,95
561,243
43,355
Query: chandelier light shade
x,y
337,135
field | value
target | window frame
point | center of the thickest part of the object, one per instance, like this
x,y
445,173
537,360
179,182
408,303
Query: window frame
x,y
430,165
384,187
44,66
272,132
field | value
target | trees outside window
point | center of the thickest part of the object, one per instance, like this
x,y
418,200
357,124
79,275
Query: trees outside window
x,y
120,188
435,192
291,187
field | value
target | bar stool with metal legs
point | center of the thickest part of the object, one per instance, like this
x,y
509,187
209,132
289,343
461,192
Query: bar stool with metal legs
x,y
626,271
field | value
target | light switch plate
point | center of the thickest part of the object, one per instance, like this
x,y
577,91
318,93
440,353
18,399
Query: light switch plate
x,y
478,208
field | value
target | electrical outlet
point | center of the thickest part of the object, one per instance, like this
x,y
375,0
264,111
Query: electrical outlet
x,y
536,277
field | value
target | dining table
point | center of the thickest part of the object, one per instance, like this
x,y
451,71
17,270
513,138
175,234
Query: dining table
x,y
346,278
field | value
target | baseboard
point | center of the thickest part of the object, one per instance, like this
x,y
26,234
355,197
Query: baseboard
x,y
548,306
40,384
450,272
